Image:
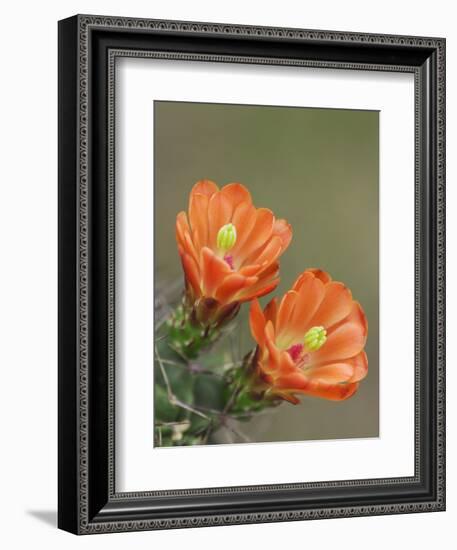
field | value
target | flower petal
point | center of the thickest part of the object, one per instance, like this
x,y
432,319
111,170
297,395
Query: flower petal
x,y
270,336
297,382
332,392
191,272
283,230
231,285
214,270
357,315
198,216
250,270
269,272
219,214
258,236
336,305
273,351
310,295
344,342
183,236
182,226
204,187
268,280
270,310
269,253
334,373
319,274
257,322
360,366
285,310
236,193
257,291
336,392
244,218
293,380
273,248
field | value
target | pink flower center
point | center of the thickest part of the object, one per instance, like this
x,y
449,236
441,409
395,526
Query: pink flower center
x,y
228,258
295,352
301,360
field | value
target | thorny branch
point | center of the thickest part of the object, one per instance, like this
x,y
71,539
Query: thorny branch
x,y
171,396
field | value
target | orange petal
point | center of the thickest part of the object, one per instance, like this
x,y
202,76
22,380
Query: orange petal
x,y
310,295
297,382
236,193
305,275
335,306
279,361
268,272
191,272
231,285
257,290
182,226
357,315
332,392
214,271
259,235
287,364
198,216
299,280
283,230
270,331
285,310
244,218
344,342
250,270
205,187
292,380
270,310
182,222
319,274
183,235
270,252
257,322
360,366
335,373
267,281
219,214
273,351
189,246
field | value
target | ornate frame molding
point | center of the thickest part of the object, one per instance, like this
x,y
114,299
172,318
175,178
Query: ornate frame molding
x,y
76,511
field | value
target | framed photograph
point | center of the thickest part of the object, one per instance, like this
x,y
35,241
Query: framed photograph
x,y
251,274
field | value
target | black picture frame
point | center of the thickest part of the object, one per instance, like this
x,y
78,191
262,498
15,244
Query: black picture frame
x,y
88,502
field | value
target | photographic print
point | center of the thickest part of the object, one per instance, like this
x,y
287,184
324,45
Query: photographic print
x,y
266,273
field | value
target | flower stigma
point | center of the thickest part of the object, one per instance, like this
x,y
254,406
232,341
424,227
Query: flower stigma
x,y
315,338
226,237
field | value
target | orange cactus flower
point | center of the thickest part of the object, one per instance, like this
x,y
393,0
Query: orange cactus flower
x,y
229,248
313,343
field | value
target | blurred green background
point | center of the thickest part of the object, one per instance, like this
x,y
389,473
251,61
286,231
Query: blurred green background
x,y
318,168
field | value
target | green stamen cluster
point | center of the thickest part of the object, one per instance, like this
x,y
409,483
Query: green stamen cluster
x,y
226,237
315,338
